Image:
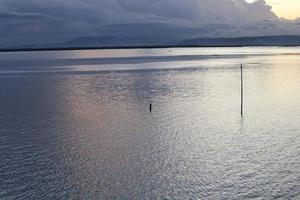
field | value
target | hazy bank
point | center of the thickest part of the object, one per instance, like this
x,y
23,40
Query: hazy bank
x,y
92,43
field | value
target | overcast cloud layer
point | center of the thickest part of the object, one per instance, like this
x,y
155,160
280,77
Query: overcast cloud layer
x,y
50,21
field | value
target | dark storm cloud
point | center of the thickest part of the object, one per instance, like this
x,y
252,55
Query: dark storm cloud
x,y
116,11
49,21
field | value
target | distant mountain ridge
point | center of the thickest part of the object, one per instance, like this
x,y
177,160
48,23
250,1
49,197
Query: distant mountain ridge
x,y
283,40
107,41
95,42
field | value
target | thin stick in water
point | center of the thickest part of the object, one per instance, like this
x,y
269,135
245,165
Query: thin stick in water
x,y
242,92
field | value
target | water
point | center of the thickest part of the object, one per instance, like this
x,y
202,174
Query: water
x,y
76,124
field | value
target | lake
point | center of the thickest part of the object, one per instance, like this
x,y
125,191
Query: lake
x,y
76,124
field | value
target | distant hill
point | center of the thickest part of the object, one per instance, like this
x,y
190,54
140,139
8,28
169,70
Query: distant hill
x,y
112,41
152,42
284,40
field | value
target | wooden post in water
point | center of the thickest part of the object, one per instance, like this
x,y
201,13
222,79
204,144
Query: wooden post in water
x,y
242,92
150,107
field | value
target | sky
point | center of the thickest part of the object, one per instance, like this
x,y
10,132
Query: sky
x,y
44,22
289,9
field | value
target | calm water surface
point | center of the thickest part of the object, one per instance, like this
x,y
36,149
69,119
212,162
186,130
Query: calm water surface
x,y
76,124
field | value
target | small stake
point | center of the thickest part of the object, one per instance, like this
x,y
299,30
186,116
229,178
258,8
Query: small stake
x,y
242,92
150,107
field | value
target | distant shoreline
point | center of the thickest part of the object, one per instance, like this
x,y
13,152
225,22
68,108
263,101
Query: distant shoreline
x,y
134,47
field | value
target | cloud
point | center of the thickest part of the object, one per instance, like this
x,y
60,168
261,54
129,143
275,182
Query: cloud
x,y
202,11
130,11
45,21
